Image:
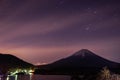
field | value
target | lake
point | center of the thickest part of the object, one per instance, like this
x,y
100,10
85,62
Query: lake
x,y
39,77
50,77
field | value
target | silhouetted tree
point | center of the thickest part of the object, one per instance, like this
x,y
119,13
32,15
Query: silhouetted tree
x,y
104,74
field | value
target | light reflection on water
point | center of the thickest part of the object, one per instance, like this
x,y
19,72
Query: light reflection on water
x,y
40,77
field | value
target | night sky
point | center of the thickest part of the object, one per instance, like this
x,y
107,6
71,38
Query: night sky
x,y
43,31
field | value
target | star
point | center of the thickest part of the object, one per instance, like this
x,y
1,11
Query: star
x,y
89,8
56,7
59,4
95,12
87,28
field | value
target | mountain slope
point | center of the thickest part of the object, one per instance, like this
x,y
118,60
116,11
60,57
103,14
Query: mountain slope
x,y
82,61
85,58
8,61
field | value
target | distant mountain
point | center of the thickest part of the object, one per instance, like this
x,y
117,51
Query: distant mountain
x,y
80,62
8,61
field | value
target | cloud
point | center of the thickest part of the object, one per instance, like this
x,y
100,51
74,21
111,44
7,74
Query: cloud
x,y
38,28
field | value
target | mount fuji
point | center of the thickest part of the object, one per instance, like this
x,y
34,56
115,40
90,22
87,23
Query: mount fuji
x,y
80,62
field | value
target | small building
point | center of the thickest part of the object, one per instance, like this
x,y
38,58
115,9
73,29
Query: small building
x,y
19,77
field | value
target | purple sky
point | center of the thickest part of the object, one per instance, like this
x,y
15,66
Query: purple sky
x,y
42,31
